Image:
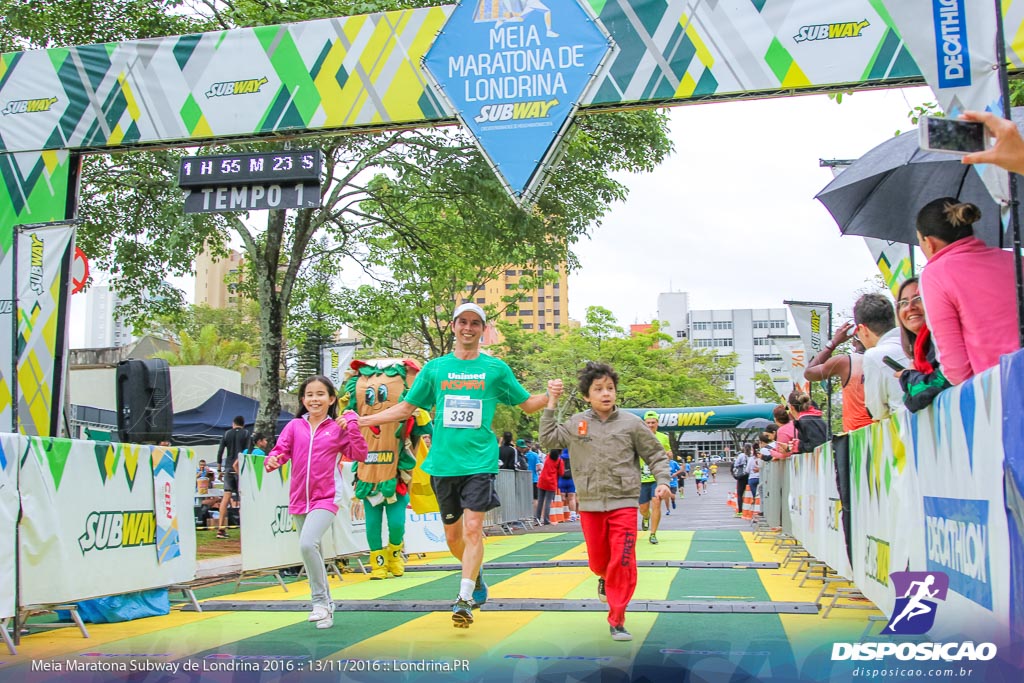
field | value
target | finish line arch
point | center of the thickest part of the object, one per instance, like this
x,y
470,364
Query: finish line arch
x,y
364,73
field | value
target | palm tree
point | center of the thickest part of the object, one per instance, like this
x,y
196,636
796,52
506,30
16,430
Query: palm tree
x,y
210,349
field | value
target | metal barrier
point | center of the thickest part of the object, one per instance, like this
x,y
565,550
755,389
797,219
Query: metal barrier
x,y
515,491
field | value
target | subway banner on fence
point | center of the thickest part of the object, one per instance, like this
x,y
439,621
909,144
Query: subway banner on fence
x,y
927,496
11,447
270,537
88,527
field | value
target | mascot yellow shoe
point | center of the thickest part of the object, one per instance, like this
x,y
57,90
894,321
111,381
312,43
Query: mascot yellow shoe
x,y
378,567
396,563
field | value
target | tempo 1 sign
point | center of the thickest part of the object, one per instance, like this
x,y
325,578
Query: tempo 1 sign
x,y
251,182
252,198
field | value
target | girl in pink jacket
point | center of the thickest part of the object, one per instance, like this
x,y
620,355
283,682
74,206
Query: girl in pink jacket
x,y
968,290
313,441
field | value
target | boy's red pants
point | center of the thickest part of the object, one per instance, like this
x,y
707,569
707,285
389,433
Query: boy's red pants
x,y
611,551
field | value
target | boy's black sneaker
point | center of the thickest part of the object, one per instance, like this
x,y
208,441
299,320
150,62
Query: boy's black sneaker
x,y
462,613
600,591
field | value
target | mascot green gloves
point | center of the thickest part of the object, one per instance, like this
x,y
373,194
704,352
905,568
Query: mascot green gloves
x,y
382,482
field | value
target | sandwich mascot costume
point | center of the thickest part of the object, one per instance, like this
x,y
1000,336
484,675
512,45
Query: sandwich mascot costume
x,y
383,481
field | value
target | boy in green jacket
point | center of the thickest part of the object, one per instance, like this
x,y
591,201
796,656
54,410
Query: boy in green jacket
x,y
607,446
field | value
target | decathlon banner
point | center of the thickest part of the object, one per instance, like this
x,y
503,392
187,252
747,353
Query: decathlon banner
x,y
11,448
88,527
44,268
958,463
893,261
886,507
812,321
334,361
794,359
953,43
165,503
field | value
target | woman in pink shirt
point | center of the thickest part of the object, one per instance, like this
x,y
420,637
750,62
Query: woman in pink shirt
x,y
313,442
968,290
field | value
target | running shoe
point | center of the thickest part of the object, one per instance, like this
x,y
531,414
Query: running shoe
x,y
653,539
600,591
620,633
645,523
462,613
479,590
320,613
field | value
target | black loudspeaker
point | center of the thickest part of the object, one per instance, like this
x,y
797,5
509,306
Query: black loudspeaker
x,y
144,412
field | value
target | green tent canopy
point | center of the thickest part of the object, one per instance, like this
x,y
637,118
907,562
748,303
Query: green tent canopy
x,y
710,418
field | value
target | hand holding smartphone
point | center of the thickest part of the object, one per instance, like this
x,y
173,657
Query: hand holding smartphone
x,y
952,136
893,364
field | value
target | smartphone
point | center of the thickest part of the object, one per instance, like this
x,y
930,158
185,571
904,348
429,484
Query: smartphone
x,y
892,364
951,136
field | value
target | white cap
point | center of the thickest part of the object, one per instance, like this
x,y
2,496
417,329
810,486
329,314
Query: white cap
x,y
470,308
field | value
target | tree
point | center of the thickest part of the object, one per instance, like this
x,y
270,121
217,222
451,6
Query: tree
x,y
652,372
209,349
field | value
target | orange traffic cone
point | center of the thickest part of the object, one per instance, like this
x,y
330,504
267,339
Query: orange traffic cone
x,y
757,506
557,514
732,500
748,504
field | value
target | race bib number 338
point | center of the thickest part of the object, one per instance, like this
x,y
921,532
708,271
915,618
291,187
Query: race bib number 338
x,y
461,412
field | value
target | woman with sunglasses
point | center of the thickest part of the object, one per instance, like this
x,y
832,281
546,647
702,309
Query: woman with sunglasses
x,y
968,289
923,382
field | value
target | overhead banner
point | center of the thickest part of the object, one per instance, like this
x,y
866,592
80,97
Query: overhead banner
x,y
335,359
44,264
11,447
88,527
514,73
794,359
893,261
812,322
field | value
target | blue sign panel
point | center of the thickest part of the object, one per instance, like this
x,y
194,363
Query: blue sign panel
x,y
514,72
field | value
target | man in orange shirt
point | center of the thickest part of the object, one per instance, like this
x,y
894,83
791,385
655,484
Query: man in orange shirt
x,y
849,368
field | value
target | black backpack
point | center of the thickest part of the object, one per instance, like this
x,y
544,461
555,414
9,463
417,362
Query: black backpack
x,y
739,468
812,431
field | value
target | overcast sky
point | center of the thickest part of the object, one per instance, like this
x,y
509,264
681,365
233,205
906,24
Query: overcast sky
x,y
731,216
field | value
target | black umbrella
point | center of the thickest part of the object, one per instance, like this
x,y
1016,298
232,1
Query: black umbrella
x,y
880,194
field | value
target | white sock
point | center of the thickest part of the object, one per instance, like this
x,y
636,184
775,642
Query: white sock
x,y
466,589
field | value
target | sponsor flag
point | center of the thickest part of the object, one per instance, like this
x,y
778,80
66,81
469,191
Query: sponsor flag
x,y
794,358
893,261
36,376
811,320
168,542
334,361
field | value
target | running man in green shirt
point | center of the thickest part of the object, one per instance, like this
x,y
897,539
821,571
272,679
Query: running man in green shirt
x,y
465,387
651,515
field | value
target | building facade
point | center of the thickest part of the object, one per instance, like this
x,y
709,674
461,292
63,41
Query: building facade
x,y
104,329
217,279
744,332
541,309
